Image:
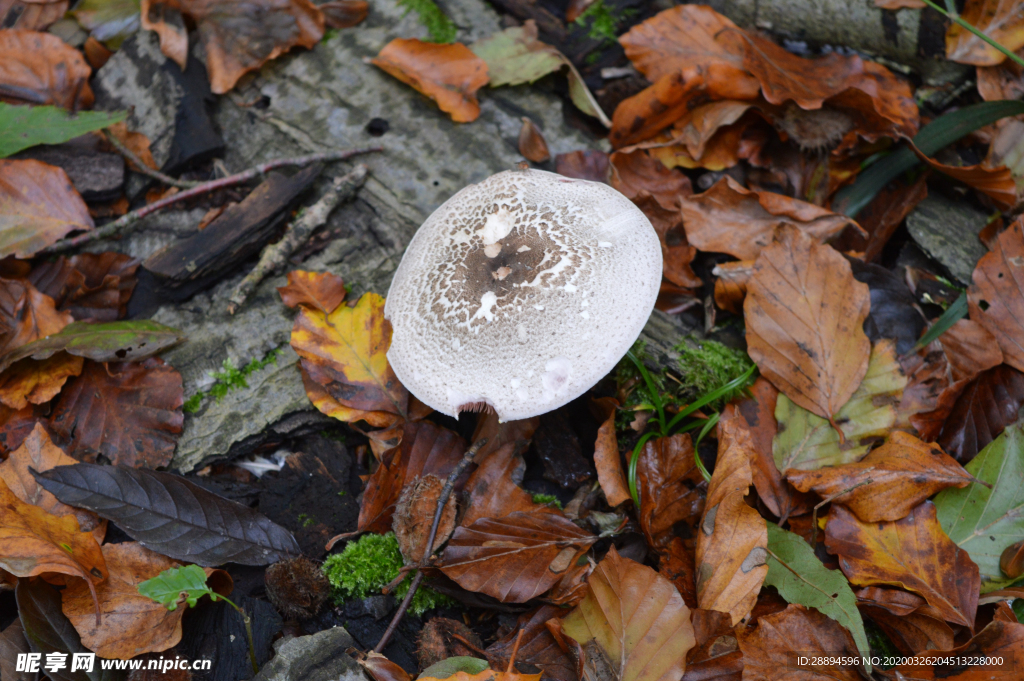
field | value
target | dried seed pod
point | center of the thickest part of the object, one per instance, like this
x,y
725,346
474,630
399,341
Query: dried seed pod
x,y
531,142
414,514
297,587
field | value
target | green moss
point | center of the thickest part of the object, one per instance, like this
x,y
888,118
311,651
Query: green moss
x,y
548,499
228,379
600,22
708,367
438,25
367,565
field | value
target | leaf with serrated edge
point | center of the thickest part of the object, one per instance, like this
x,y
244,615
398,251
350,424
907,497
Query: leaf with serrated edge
x,y
799,577
983,521
170,515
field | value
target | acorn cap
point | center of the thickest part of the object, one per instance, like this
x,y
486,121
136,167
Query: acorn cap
x,y
520,293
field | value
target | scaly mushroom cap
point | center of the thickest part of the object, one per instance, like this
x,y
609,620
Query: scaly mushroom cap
x,y
520,293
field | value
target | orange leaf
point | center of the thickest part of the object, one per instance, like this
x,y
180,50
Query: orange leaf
x,y
320,290
670,486
996,183
634,173
607,459
37,382
639,117
889,482
731,284
1000,640
165,20
969,349
34,15
881,218
637,618
805,314
1001,20
912,553
448,74
136,142
773,650
532,145
493,492
730,219
38,206
517,557
26,315
40,68
996,298
537,647
344,13
732,541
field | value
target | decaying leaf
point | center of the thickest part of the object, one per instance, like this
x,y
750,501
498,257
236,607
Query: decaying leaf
x,y
40,68
996,298
493,489
912,553
538,647
31,15
414,515
129,412
732,539
532,145
449,74
26,315
670,486
91,286
637,618
607,459
1000,20
517,557
29,381
982,408
730,219
983,521
345,353
784,645
889,482
48,630
321,290
731,284
804,313
807,441
999,641
38,206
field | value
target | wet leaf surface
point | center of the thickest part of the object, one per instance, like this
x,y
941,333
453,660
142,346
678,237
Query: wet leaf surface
x,y
39,68
670,486
996,298
984,407
38,206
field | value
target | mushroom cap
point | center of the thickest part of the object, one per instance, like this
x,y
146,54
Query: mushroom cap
x,y
520,293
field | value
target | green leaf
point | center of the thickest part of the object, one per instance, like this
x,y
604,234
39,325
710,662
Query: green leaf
x,y
168,587
121,341
800,578
808,442
940,133
22,127
985,521
452,666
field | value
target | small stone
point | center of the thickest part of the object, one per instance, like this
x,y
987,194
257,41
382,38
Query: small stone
x,y
319,657
947,231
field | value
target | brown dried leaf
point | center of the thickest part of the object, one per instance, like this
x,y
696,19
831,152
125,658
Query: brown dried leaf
x,y
730,219
136,142
493,489
889,482
676,564
997,183
17,424
637,618
996,298
1005,81
805,314
913,632
969,349
655,108
91,286
912,553
38,206
882,217
165,19
37,382
424,449
731,284
1000,640
773,649
31,15
323,291
532,145
607,459
635,173
588,164
129,412
982,409
670,486
26,315
340,14
717,654
732,542
414,516
537,647
40,68
448,74
1000,20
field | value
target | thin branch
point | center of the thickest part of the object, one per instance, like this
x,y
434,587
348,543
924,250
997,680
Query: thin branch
x,y
129,220
276,255
140,166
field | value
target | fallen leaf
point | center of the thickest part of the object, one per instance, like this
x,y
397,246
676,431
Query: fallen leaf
x,y
804,312
636,172
900,4
994,182
129,412
31,15
136,142
424,449
320,290
493,488
537,647
109,21
882,217
48,631
655,108
171,515
414,516
514,558
587,164
17,424
800,578
29,381
38,206
1005,81
237,37
91,286
607,459
340,14
381,668
449,74
970,349
33,542
982,409
731,284
983,521
730,219
709,137
532,145
12,644
637,618
781,641
717,654
1000,20
132,624
40,454
889,482
670,486
676,564
990,656
732,538
345,352
996,299
40,68
912,553
676,252
913,632
25,316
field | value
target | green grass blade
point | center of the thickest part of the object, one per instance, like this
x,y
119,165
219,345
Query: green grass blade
x,y
953,314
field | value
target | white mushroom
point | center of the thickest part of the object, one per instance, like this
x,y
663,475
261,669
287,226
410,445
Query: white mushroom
x,y
520,293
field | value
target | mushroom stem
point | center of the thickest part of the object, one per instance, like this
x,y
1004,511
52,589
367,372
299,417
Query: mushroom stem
x,y
442,500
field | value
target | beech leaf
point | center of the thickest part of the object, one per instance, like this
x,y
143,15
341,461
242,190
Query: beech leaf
x,y
775,648
996,298
171,515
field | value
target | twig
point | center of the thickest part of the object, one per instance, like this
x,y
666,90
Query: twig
x,y
140,166
276,255
442,500
814,514
130,219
